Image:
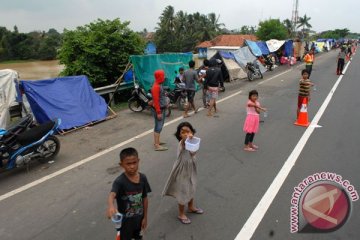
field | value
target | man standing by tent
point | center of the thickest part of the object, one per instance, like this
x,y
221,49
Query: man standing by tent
x,y
159,104
190,77
213,79
309,61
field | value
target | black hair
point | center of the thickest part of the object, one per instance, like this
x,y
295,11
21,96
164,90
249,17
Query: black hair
x,y
304,71
128,152
181,69
253,92
180,126
206,63
191,64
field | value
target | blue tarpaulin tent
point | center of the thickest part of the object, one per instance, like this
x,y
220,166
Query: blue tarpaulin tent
x,y
72,99
263,47
254,48
289,48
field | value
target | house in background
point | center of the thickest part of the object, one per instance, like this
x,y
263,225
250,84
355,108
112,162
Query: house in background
x,y
208,49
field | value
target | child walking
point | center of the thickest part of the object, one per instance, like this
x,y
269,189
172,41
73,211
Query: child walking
x,y
304,89
251,125
130,190
183,177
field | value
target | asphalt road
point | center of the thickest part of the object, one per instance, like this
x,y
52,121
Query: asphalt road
x,y
231,182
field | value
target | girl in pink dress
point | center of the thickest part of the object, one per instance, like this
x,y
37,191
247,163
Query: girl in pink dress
x,y
251,125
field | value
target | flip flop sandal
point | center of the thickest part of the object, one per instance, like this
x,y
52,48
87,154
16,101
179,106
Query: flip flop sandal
x,y
197,211
184,220
161,148
249,149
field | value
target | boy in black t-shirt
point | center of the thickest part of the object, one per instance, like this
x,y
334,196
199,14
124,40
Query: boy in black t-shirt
x,y
130,190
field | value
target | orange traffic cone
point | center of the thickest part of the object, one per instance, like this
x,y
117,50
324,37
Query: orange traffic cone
x,y
118,235
303,119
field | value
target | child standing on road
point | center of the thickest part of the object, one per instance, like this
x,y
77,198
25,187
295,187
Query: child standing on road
x,y
130,190
251,125
183,177
304,89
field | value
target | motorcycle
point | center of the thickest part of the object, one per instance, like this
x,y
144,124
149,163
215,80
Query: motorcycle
x,y
141,101
36,143
178,96
253,70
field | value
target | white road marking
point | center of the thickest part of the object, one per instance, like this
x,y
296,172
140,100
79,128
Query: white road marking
x,y
99,154
258,213
262,82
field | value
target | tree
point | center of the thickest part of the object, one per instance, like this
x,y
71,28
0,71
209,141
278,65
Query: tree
x,y
271,29
306,26
180,32
99,50
289,27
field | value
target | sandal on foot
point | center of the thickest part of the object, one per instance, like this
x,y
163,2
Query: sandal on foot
x,y
255,147
184,220
161,148
186,115
249,149
197,211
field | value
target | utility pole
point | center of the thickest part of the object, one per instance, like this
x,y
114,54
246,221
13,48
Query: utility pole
x,y
295,15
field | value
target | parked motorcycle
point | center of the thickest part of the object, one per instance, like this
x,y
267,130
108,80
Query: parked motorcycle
x,y
141,100
178,96
37,143
253,70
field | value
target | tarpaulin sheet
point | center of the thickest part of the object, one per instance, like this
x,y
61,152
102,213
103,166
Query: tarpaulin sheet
x,y
289,48
274,45
254,48
146,65
263,47
72,99
226,55
244,55
8,95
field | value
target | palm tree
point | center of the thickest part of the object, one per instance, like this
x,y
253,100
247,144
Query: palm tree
x,y
304,23
289,26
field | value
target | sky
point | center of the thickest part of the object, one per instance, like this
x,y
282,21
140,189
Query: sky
x,y
30,15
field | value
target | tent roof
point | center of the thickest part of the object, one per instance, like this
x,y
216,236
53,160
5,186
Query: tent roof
x,y
227,40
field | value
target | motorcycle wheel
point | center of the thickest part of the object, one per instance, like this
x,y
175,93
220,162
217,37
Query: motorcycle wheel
x,y
250,76
52,146
135,105
181,103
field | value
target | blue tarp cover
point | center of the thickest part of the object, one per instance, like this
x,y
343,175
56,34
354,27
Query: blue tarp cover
x,y
227,55
72,99
263,47
254,48
289,48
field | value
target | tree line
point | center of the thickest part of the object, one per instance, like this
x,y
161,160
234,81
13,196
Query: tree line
x,y
33,45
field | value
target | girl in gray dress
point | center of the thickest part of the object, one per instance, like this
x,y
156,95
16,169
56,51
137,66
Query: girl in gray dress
x,y
182,180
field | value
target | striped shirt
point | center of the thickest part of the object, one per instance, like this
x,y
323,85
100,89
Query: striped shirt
x,y
305,86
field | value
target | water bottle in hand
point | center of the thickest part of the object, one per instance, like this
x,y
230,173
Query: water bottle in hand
x,y
265,114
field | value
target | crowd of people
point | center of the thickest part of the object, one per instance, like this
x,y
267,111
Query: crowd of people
x,y
131,188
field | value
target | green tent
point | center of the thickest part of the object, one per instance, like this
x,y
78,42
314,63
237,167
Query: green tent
x,y
146,65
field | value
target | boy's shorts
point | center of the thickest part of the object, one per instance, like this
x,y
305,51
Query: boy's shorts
x,y
131,229
213,92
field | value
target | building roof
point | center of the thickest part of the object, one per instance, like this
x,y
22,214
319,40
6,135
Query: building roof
x,y
227,40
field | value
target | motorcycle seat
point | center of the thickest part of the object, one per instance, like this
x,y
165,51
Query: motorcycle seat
x,y
35,134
